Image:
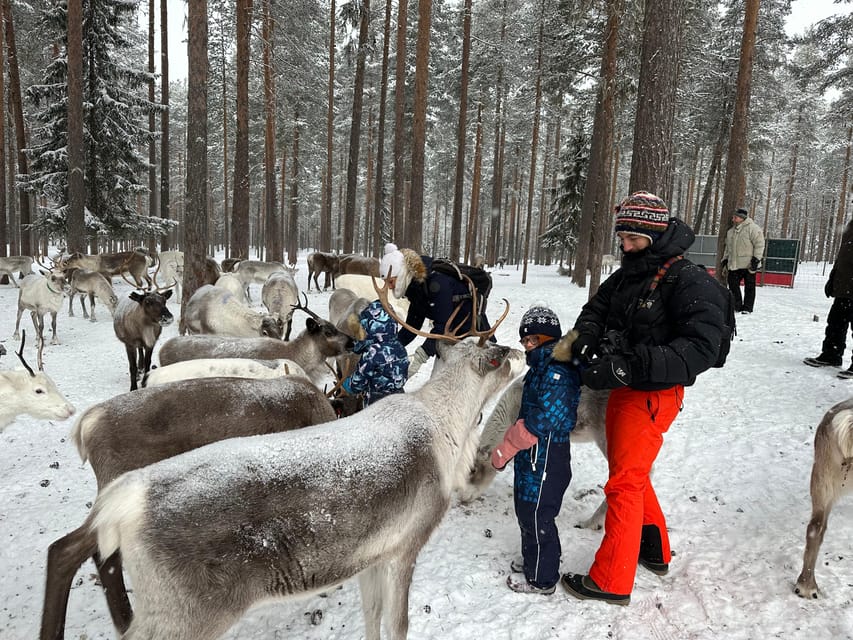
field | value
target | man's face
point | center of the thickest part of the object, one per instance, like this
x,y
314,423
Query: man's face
x,y
633,242
737,219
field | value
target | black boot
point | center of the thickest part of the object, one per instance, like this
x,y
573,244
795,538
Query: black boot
x,y
651,551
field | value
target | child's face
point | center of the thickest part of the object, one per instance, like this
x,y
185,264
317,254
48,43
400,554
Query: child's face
x,y
529,342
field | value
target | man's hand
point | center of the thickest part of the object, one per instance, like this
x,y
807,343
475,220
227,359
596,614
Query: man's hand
x,y
754,264
583,348
610,372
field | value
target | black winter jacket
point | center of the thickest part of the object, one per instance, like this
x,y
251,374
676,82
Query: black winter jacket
x,y
675,335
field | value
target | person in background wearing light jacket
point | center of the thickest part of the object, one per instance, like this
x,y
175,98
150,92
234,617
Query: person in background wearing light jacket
x,y
839,286
742,257
539,444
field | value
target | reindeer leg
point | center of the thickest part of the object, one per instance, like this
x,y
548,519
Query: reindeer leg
x,y
64,557
91,307
398,580
71,303
17,334
53,339
289,325
131,360
370,582
825,484
112,580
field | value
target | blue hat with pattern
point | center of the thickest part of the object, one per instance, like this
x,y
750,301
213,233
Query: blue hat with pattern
x,y
541,321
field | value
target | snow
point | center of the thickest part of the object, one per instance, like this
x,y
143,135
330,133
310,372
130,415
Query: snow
x,y
732,478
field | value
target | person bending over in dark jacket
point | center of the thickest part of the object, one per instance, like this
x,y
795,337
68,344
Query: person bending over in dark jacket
x,y
432,295
646,342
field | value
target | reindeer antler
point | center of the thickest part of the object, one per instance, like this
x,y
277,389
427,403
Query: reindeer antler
x,y
488,333
300,307
21,354
382,292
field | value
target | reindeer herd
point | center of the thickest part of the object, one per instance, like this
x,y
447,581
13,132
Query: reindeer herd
x,y
234,423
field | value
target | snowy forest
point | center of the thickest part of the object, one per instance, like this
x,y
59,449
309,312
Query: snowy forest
x,y
454,127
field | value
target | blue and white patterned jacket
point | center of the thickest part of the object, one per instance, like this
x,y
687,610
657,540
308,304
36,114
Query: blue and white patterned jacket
x,y
549,401
384,365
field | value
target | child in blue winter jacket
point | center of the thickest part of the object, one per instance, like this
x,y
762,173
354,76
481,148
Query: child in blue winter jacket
x,y
384,365
539,443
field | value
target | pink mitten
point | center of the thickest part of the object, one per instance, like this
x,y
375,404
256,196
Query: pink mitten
x,y
517,438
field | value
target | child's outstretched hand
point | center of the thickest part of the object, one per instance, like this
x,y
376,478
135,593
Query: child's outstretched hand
x,y
517,438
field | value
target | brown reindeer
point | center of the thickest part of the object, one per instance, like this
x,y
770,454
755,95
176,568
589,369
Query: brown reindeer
x,y
319,262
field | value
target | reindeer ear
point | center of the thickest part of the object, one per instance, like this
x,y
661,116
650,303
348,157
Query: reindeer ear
x,y
311,325
168,293
137,297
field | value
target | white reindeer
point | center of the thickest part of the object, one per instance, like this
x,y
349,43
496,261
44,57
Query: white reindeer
x,y
832,473
280,296
171,269
295,516
31,393
362,286
223,367
128,432
95,285
257,272
212,310
232,283
41,294
10,265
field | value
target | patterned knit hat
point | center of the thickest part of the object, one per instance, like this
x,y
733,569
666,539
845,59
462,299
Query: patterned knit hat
x,y
540,320
644,214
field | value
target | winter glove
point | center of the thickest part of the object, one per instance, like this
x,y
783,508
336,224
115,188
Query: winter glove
x,y
754,263
610,372
724,263
827,288
418,358
516,439
583,348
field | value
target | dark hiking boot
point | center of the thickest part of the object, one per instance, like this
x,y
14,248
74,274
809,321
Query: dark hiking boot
x,y
845,374
519,584
659,568
517,565
584,588
822,361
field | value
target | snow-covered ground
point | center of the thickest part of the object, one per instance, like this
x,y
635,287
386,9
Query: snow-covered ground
x,y
732,478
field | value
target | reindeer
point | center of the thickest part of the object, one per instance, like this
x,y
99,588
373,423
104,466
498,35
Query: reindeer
x,y
41,293
32,393
359,265
608,261
222,368
170,264
137,322
112,264
319,262
257,272
212,310
10,265
95,285
363,504
280,295
831,473
136,429
345,306
232,283
320,340
362,286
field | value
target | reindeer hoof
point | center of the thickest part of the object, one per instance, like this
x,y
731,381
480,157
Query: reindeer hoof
x,y
806,591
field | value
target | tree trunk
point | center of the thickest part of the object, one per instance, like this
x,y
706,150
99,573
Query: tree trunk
x,y
76,225
399,128
355,128
240,207
792,178
165,159
293,221
497,156
415,217
842,196
325,243
459,189
381,233
735,182
20,132
195,219
273,240
152,123
473,214
4,236
595,214
651,166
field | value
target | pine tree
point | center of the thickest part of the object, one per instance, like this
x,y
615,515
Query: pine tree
x,y
115,111
562,233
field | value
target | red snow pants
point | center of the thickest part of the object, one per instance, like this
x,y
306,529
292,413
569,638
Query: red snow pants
x,y
635,424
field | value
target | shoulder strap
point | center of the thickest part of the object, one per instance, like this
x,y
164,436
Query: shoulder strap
x,y
662,272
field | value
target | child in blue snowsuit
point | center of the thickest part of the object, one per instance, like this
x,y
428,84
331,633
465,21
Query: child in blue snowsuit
x,y
539,442
384,365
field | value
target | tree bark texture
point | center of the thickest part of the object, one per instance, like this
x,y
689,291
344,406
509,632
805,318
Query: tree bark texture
x,y
459,185
415,217
273,239
399,126
381,235
240,206
76,226
165,155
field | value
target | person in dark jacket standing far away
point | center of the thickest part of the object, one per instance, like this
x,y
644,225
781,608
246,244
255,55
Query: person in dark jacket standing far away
x,y
649,330
539,443
431,294
742,258
838,286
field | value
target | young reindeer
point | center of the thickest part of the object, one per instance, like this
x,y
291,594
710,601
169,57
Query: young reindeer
x,y
135,429
364,502
831,475
31,393
93,284
41,294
